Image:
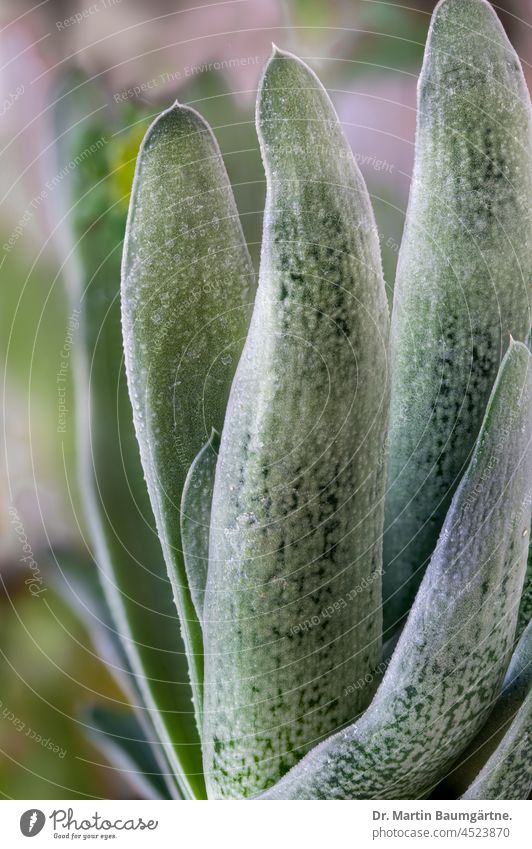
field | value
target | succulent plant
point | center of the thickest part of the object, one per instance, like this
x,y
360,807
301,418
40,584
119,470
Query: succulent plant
x,y
282,435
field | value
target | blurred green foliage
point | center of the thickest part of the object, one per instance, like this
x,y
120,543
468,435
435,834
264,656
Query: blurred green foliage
x,y
49,672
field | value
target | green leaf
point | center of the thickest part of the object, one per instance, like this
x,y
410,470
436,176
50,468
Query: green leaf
x,y
187,283
75,577
292,608
525,607
464,280
454,649
122,740
515,690
508,772
196,519
126,547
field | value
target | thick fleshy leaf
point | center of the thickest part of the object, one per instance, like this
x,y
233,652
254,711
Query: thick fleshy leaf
x,y
464,278
525,607
187,282
453,652
292,608
126,547
508,773
515,690
196,519
122,740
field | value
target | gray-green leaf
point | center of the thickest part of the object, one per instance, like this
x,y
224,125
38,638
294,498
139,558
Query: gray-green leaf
x,y
464,278
454,649
525,607
126,547
292,609
196,519
515,689
187,282
508,772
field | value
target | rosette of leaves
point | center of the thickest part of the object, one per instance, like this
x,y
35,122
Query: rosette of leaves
x,y
283,435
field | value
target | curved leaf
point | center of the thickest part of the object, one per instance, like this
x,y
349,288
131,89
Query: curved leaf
x,y
292,608
508,772
464,278
196,519
515,689
454,649
525,607
186,285
127,550
75,577
122,740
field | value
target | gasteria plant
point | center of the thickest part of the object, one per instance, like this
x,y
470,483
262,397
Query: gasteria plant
x,y
265,441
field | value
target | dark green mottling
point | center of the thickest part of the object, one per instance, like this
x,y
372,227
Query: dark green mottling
x,y
292,611
508,772
451,657
464,276
525,607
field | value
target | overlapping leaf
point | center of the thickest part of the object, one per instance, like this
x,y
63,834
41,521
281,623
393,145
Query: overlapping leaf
x,y
122,740
127,550
515,690
464,278
453,652
196,519
292,608
187,283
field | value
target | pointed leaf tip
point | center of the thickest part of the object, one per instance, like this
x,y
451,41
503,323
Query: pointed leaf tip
x,y
183,227
270,478
451,321
196,517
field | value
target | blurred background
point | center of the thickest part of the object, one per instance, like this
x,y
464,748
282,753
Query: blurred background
x,y
141,55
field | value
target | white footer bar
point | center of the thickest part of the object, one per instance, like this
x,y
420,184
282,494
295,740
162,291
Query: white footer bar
x,y
263,825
